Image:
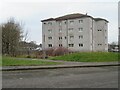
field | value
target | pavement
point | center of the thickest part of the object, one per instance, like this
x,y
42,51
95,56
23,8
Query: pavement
x,y
64,64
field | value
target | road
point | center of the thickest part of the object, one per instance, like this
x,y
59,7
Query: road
x,y
92,77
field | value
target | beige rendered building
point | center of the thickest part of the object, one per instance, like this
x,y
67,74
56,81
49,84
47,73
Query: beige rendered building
x,y
77,32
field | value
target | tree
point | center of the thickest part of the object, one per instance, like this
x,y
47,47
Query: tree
x,y
11,36
113,45
0,40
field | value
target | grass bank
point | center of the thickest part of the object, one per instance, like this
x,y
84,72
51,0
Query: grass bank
x,y
11,61
89,57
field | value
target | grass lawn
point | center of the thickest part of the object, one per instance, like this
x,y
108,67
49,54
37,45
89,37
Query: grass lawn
x,y
89,57
10,61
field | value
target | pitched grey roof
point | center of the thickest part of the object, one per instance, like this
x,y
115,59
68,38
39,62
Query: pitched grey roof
x,y
72,16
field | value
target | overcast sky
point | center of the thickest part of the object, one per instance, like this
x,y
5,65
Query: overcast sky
x,y
31,12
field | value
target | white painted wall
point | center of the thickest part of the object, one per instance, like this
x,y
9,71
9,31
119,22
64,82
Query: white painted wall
x,y
91,36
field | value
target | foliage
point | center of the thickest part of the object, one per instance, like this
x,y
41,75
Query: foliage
x,y
27,48
89,57
11,35
56,51
60,51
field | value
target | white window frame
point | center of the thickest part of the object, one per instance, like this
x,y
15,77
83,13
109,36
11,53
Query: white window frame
x,y
71,45
81,45
60,23
80,29
49,23
60,30
50,30
80,21
81,37
60,45
60,38
50,38
70,29
99,30
99,44
71,22
71,37
49,45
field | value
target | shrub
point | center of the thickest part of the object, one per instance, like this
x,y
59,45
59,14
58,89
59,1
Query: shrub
x,y
60,51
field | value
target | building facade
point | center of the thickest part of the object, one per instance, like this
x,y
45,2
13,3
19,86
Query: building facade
x,y
76,32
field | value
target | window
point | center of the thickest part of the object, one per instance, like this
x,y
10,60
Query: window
x,y
50,30
81,37
71,37
49,45
60,30
60,45
71,22
65,22
105,37
49,23
99,30
80,29
71,45
60,23
49,38
80,45
60,38
70,29
99,44
80,21
65,37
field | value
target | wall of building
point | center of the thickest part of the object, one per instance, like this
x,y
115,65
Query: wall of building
x,y
61,31
100,36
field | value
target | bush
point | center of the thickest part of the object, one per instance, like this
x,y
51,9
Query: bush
x,y
28,56
56,51
60,51
49,51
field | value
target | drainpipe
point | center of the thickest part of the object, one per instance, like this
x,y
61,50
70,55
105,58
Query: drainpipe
x,y
92,36
67,33
44,53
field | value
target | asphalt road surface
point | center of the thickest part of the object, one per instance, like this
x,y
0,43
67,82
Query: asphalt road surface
x,y
92,77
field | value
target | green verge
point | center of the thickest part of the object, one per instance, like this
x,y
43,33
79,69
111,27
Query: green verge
x,y
10,61
89,57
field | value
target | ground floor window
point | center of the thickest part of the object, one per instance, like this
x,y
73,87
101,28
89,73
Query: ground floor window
x,y
60,45
49,45
71,45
